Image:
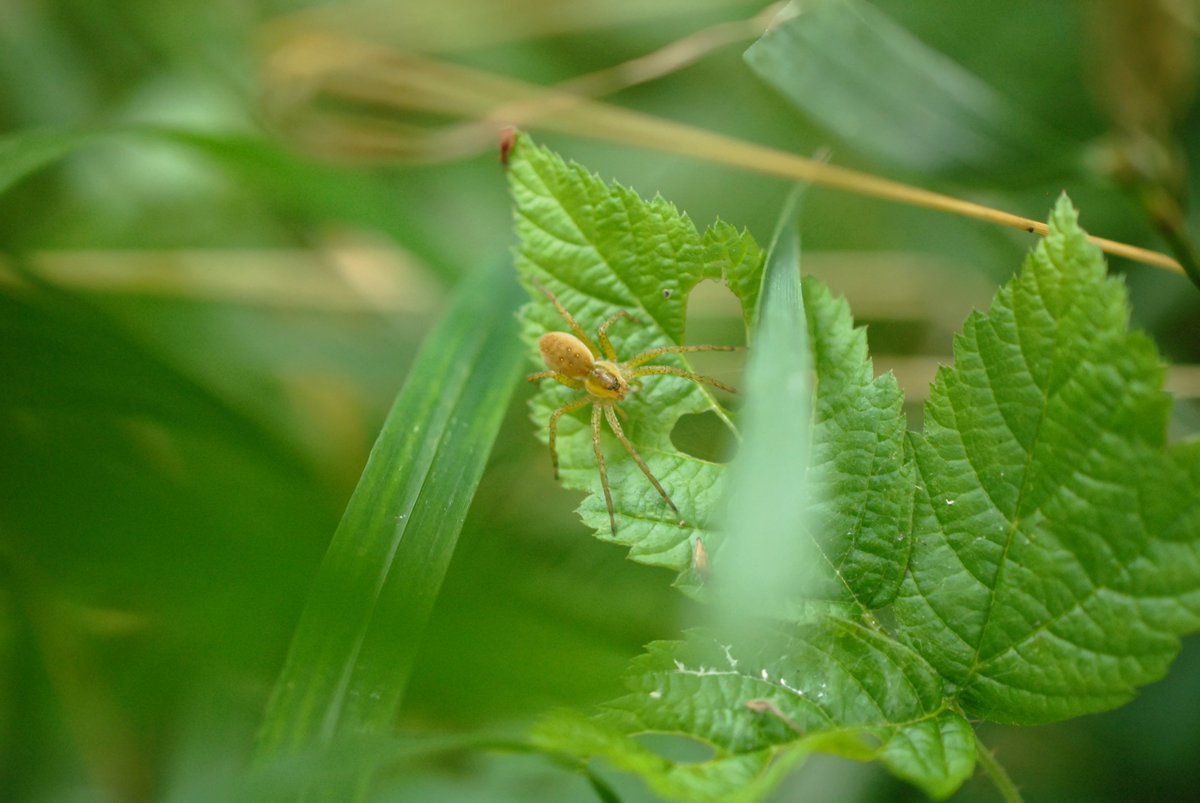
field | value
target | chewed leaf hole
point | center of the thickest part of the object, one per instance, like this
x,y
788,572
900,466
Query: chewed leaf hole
x,y
677,748
705,436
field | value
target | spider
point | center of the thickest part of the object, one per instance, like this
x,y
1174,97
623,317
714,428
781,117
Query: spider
x,y
573,360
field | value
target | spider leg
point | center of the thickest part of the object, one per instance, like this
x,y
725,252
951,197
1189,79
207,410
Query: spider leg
x,y
612,518
605,343
637,458
570,407
668,370
647,356
562,379
575,327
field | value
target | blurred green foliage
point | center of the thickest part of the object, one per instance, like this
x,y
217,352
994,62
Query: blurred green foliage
x,y
202,328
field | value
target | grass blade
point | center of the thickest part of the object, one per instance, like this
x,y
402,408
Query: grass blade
x,y
767,504
26,152
359,634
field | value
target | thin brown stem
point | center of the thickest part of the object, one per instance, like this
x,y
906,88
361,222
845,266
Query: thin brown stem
x,y
358,72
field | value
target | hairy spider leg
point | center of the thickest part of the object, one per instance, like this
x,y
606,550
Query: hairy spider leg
x,y
612,517
636,369
637,458
605,343
647,356
570,407
576,329
669,370
561,378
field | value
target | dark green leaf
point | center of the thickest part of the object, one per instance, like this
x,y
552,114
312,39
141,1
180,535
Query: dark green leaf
x,y
1057,554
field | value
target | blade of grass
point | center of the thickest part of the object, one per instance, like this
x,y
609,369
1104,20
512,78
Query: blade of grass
x,y
767,505
360,632
26,152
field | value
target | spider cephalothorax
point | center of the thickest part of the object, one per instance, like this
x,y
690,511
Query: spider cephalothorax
x,y
575,361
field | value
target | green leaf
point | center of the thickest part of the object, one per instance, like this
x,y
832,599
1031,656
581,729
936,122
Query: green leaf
x,y
876,87
761,703
601,249
360,632
1057,553
859,472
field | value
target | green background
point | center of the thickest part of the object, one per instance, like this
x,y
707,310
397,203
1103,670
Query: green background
x,y
200,336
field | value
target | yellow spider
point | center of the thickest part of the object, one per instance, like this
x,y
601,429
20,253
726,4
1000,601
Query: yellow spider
x,y
573,360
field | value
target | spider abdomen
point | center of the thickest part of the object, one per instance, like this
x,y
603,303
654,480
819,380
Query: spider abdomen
x,y
566,354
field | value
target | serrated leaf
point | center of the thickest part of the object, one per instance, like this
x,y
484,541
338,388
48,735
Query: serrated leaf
x,y
600,249
763,702
875,86
859,472
1055,537
1057,552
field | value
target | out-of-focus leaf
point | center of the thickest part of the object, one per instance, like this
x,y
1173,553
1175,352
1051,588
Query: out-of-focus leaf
x,y
879,89
27,152
320,191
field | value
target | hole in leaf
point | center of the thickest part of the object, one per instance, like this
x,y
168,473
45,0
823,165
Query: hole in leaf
x,y
705,436
714,316
677,748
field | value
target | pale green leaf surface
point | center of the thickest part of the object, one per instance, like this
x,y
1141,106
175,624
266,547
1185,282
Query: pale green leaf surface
x,y
826,685
1057,539
600,249
878,88
821,489
755,567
